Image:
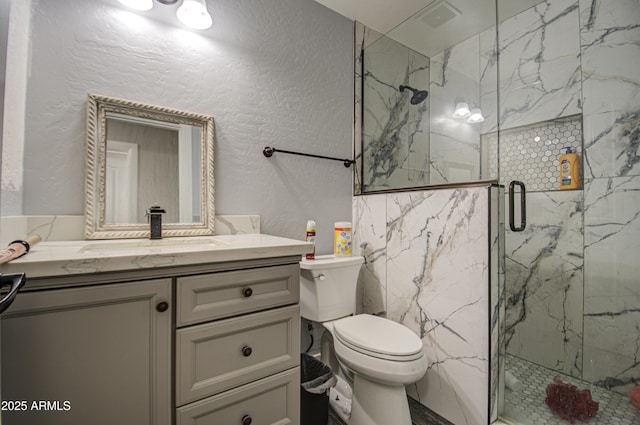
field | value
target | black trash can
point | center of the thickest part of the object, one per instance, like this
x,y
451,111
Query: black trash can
x,y
316,378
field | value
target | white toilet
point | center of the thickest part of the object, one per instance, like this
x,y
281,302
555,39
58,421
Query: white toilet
x,y
375,357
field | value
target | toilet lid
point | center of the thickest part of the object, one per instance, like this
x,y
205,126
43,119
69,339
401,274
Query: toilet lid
x,y
375,335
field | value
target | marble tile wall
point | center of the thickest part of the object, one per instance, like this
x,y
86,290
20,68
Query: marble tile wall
x,y
425,146
428,266
573,302
497,301
395,133
610,42
540,64
611,289
363,37
455,143
466,72
544,270
571,290
71,227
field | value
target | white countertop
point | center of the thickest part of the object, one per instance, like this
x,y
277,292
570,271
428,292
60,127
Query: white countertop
x,y
94,256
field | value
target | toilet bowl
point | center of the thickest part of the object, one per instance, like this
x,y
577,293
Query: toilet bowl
x,y
379,357
373,357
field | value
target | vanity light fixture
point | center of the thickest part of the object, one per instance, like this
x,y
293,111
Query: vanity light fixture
x,y
475,116
467,109
138,4
462,110
194,14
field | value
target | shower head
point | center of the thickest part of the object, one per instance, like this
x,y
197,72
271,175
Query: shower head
x,y
418,95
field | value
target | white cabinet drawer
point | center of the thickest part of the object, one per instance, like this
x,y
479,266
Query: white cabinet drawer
x,y
217,356
216,295
270,401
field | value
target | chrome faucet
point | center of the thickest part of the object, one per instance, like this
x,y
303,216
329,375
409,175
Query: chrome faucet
x,y
154,217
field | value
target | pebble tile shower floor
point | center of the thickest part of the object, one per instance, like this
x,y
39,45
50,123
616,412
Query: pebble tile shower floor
x,y
527,407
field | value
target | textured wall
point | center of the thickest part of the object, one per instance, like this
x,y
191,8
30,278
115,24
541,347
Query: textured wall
x,y
271,72
4,29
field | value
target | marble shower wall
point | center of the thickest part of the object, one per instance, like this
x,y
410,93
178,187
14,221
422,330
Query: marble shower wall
x,y
407,145
573,302
395,133
572,291
428,266
544,270
610,46
455,144
540,64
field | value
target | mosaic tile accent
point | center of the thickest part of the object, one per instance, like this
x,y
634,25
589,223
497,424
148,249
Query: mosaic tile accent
x,y
526,406
530,154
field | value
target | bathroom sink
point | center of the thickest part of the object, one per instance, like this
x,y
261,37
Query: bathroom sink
x,y
116,245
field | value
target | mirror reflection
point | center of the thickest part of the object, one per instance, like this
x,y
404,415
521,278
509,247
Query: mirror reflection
x,y
150,161
142,155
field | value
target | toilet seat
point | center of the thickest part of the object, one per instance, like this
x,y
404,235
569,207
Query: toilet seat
x,y
378,337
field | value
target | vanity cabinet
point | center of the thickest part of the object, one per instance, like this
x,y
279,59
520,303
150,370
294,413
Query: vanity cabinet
x,y
89,355
238,347
206,344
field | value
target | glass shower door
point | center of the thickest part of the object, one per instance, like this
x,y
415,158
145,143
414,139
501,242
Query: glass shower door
x,y
572,294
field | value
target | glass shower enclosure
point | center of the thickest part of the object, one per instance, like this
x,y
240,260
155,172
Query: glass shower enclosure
x,y
510,86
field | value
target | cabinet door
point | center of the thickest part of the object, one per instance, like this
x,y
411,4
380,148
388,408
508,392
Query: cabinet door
x,y
91,355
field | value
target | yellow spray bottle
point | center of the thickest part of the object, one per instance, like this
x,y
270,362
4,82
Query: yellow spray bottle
x,y
569,170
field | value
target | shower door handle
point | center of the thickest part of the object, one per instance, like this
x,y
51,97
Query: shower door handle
x,y
523,206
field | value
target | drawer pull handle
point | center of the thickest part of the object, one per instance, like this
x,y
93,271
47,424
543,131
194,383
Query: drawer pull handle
x,y
246,420
246,351
162,306
247,292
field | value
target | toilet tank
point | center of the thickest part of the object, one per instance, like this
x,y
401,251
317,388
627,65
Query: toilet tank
x,y
328,287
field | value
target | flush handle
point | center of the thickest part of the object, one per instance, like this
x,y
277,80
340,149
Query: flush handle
x,y
321,276
246,351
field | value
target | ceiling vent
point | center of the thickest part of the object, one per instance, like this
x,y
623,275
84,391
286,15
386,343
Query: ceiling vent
x,y
438,13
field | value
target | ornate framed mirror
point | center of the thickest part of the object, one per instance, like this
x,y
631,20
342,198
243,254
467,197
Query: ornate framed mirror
x,y
139,155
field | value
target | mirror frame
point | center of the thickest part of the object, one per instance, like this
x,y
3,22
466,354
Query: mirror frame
x,y
95,179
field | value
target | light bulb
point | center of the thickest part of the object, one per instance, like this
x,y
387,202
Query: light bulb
x,y
476,116
194,14
462,110
138,4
